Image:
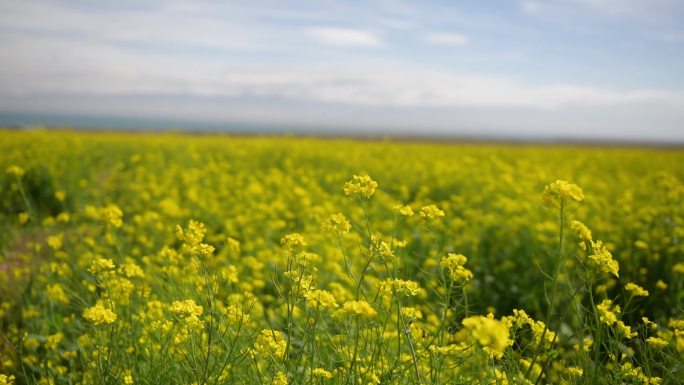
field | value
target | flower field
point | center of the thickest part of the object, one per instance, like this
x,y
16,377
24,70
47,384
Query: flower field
x,y
210,259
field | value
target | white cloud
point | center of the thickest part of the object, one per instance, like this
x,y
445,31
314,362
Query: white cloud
x,y
60,66
344,36
447,39
654,11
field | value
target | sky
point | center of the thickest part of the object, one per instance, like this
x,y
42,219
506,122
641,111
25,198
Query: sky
x,y
564,69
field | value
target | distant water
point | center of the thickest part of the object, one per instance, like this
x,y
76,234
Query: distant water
x,y
127,123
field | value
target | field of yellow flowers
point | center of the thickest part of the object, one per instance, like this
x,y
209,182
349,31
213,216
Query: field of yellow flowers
x,y
210,259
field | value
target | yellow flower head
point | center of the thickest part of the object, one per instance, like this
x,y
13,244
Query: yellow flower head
x,y
453,264
186,308
322,373
280,379
489,333
101,265
270,342
293,242
404,210
563,192
431,213
581,230
6,380
193,234
99,315
400,287
111,215
15,170
361,308
320,299
362,187
603,259
337,223
636,290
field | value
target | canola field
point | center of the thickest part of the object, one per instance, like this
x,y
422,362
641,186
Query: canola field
x,y
213,259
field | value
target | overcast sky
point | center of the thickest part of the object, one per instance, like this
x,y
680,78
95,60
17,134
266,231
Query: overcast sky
x,y
554,68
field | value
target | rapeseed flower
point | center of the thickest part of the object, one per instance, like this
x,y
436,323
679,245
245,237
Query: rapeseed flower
x,y
362,187
491,334
337,223
15,170
186,308
454,265
431,213
360,308
563,192
99,315
636,290
320,299
270,342
292,242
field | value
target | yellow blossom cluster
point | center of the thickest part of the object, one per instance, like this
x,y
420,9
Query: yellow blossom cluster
x,y
99,315
360,186
454,265
563,192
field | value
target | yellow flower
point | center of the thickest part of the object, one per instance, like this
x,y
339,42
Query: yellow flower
x,y
400,287
574,371
336,223
453,263
361,308
292,242
60,195
15,170
322,373
193,234
562,191
489,333
56,293
649,323
362,187
111,215
404,210
411,313
656,342
678,268
636,290
320,299
55,241
6,380
270,342
23,218
608,312
186,308
280,379
99,315
100,265
581,230
128,377
52,341
431,213
603,259
382,249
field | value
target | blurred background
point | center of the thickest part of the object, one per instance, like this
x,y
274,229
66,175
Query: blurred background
x,y
581,70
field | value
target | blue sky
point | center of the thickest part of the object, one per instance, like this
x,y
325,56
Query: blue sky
x,y
608,69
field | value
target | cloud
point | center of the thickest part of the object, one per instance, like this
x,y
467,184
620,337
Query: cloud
x,y
61,66
650,11
344,36
447,39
